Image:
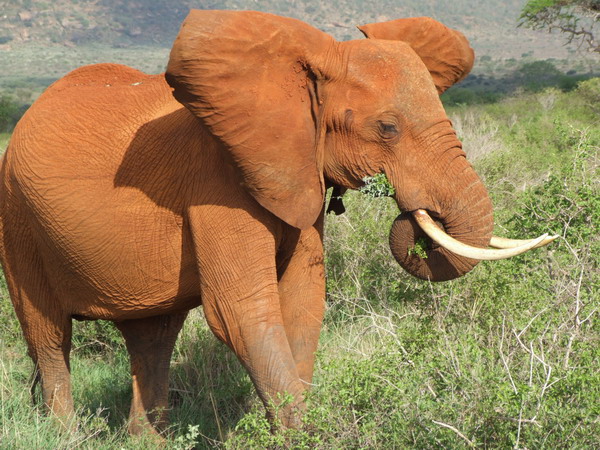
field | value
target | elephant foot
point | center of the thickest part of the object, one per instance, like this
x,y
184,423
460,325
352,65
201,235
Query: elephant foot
x,y
286,416
153,422
146,434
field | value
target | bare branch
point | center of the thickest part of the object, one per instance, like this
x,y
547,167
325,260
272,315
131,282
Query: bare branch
x,y
566,16
450,427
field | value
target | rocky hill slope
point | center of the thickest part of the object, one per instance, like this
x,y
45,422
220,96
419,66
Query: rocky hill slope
x,y
491,26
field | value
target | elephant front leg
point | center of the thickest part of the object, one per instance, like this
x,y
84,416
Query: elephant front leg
x,y
253,328
302,296
241,303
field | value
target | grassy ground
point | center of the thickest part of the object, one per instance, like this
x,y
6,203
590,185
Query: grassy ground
x,y
507,356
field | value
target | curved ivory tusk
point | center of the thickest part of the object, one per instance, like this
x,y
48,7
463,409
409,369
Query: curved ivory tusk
x,y
500,242
448,242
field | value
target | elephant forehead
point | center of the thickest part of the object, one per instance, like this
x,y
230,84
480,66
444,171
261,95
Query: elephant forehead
x,y
387,62
391,74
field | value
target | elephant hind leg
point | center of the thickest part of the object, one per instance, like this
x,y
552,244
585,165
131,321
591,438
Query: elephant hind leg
x,y
150,342
45,321
47,331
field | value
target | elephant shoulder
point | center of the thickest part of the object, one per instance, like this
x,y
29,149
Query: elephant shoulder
x,y
84,123
104,74
107,83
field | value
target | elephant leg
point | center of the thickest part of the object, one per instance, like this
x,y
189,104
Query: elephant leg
x,y
45,323
150,342
302,297
49,342
240,297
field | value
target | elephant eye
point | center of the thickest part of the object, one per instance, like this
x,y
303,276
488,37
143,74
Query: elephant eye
x,y
388,130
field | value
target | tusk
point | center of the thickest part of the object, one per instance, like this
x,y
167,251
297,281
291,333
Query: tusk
x,y
500,242
448,242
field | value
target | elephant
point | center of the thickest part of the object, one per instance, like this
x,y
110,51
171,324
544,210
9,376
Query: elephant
x,y
135,198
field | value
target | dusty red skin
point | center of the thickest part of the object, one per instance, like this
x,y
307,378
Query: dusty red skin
x,y
445,52
119,203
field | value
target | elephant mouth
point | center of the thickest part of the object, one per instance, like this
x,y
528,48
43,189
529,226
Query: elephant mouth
x,y
431,249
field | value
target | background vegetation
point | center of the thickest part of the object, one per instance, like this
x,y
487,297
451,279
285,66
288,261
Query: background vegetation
x,y
507,356
576,19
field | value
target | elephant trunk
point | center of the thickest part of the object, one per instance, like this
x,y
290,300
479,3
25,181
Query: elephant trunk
x,y
465,213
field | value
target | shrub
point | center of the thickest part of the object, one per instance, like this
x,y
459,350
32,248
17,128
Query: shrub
x,y
589,90
538,75
10,113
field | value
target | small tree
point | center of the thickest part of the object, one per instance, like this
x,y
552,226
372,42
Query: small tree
x,y
575,18
538,75
9,113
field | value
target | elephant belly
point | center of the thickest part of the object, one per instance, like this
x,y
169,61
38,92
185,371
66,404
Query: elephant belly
x,y
117,256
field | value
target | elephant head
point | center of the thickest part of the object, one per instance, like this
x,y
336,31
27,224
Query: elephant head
x,y
296,110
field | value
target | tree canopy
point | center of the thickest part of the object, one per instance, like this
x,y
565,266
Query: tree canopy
x,y
575,18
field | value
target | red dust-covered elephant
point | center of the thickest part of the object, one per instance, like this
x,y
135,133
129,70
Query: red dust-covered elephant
x,y
134,198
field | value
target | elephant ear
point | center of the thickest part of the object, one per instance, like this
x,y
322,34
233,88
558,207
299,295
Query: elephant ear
x,y
251,78
446,52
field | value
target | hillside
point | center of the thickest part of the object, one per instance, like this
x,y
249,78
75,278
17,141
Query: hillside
x,y
40,41
491,26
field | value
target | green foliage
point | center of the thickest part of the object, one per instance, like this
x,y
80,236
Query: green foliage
x,y
4,139
96,337
420,248
11,331
529,76
377,186
456,96
188,440
530,141
589,90
568,203
538,75
537,6
10,113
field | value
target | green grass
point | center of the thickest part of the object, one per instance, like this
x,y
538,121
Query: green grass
x,y
507,356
